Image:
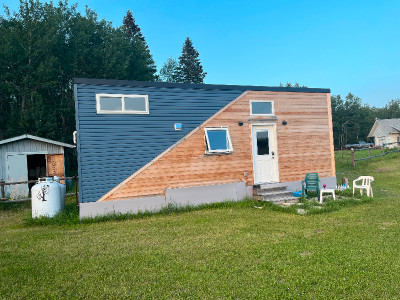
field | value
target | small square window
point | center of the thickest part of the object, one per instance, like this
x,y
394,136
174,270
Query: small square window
x,y
262,107
218,140
178,126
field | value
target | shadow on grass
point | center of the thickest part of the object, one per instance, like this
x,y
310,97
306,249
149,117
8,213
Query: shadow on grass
x,y
70,215
330,205
17,206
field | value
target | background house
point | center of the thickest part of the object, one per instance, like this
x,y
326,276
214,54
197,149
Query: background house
x,y
386,131
29,157
142,145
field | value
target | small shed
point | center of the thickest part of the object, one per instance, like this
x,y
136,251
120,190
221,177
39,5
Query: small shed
x,y
29,157
386,132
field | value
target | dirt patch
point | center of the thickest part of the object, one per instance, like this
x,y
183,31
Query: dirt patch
x,y
383,170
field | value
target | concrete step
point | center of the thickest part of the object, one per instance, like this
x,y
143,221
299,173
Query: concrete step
x,y
271,190
283,200
269,196
272,185
276,193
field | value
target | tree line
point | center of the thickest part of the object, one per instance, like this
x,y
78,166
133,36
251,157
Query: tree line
x,y
44,46
352,119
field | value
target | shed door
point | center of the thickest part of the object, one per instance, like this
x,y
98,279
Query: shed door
x,y
17,170
55,165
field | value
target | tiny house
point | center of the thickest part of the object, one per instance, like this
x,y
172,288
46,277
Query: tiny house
x,y
143,145
29,157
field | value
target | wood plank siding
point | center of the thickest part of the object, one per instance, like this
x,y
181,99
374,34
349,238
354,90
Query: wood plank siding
x,y
55,165
305,145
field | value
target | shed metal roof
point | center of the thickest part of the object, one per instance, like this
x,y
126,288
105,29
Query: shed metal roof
x,y
383,127
390,125
32,137
198,86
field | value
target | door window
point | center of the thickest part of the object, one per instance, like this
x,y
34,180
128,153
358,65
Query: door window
x,y
262,143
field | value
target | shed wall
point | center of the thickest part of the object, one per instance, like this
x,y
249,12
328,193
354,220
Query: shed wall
x,y
113,147
394,138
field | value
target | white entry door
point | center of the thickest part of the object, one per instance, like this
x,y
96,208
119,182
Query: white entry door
x,y
17,170
265,159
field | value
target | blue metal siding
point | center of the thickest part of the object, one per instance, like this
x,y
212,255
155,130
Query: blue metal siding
x,y
113,147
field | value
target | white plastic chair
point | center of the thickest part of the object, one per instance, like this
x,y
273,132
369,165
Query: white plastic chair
x,y
365,185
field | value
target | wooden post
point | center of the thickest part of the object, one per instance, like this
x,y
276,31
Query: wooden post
x,y
76,190
353,157
3,196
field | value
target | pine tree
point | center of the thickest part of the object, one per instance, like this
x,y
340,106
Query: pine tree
x,y
168,71
133,30
141,65
289,84
189,69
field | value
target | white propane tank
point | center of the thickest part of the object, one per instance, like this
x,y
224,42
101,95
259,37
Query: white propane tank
x,y
46,198
63,190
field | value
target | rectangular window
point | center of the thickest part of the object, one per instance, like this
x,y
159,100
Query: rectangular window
x,y
218,140
262,108
122,104
110,103
262,143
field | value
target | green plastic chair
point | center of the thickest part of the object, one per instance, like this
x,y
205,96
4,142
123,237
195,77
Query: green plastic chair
x,y
310,183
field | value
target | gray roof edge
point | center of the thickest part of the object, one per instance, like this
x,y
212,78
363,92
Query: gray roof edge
x,y
395,127
28,136
393,123
93,81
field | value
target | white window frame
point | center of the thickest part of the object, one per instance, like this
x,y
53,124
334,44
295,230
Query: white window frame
x,y
272,108
228,136
123,111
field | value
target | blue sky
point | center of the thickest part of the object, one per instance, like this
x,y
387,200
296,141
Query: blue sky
x,y
347,46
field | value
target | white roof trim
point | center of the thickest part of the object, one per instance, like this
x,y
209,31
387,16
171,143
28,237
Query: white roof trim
x,y
36,138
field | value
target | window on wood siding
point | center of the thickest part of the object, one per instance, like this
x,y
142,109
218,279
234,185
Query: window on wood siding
x,y
261,108
218,140
122,104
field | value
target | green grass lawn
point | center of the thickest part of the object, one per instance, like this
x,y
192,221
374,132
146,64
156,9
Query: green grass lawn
x,y
226,251
344,156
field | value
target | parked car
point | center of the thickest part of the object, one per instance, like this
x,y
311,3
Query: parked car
x,y
361,144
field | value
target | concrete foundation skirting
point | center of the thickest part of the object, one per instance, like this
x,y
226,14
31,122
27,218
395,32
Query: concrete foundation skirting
x,y
179,196
206,194
295,186
182,196
93,209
